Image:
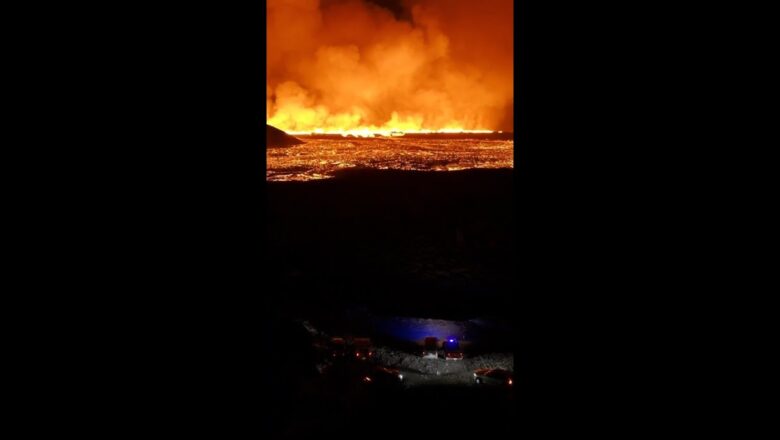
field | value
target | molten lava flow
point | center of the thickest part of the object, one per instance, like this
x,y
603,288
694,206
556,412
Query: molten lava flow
x,y
292,123
320,158
354,68
374,131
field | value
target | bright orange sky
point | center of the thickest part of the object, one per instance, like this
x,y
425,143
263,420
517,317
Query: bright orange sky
x,y
350,64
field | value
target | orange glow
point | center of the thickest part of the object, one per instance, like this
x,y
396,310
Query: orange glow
x,y
321,158
373,132
353,68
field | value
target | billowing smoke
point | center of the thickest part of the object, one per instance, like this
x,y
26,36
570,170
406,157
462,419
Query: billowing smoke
x,y
429,64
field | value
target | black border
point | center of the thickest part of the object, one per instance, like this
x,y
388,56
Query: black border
x,y
156,270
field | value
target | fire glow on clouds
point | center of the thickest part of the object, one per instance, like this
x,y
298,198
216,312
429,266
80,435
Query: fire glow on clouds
x,y
352,66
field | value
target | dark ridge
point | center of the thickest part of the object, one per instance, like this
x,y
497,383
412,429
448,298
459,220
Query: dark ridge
x,y
395,234
277,138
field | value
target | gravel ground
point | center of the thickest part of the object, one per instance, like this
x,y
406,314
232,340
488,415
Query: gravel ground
x,y
405,361
421,371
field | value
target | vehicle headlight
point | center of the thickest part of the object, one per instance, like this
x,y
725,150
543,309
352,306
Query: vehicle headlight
x,y
401,376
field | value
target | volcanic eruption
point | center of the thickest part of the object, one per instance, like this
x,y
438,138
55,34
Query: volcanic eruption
x,y
382,66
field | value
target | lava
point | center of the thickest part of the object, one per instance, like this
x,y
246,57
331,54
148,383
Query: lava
x,y
318,159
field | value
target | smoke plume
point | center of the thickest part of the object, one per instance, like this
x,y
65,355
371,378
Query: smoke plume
x,y
337,65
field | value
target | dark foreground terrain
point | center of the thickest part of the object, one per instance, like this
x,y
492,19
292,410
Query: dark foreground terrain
x,y
305,403
394,244
429,244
